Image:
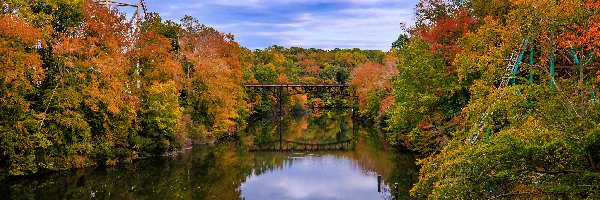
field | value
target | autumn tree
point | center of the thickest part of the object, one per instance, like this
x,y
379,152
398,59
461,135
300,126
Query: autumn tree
x,y
441,24
92,105
22,70
372,83
214,87
83,87
157,78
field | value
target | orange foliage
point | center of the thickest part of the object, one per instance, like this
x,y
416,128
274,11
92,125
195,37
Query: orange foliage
x,y
386,103
20,64
371,76
94,55
153,52
282,78
310,65
216,74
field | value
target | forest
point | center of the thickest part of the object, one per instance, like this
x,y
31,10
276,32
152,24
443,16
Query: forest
x,y
498,98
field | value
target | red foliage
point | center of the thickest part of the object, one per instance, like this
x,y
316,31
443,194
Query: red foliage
x,y
444,32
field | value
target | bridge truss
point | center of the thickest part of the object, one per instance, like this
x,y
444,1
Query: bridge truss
x,y
293,89
140,9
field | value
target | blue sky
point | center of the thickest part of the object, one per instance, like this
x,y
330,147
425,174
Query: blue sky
x,y
326,24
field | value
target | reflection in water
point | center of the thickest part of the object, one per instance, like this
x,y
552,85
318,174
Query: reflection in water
x,y
331,126
229,171
201,173
310,176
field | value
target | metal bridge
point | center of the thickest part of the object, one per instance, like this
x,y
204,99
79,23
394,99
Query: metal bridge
x,y
293,89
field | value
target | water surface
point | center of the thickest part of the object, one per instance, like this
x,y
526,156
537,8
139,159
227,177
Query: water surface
x,y
314,176
229,171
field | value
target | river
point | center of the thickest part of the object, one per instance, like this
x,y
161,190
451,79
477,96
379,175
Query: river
x,y
228,170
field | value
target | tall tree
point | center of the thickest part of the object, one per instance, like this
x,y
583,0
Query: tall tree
x,y
215,91
22,75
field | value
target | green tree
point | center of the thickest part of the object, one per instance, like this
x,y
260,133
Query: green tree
x,y
426,100
334,73
160,113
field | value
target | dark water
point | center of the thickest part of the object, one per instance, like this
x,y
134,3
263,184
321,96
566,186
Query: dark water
x,y
228,171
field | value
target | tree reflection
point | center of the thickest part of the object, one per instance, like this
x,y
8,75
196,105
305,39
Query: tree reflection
x,y
219,172
331,126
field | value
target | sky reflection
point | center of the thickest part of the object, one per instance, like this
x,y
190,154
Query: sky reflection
x,y
313,177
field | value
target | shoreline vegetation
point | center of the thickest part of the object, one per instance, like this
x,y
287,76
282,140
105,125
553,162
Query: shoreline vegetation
x,y
499,98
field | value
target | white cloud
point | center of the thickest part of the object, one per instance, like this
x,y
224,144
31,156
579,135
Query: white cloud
x,y
363,28
323,177
238,3
372,24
